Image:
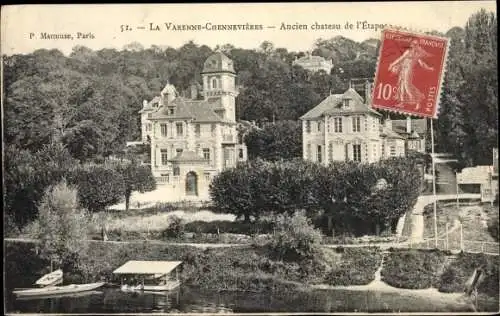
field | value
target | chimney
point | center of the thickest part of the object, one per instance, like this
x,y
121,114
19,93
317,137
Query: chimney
x,y
145,103
368,92
388,123
408,125
194,92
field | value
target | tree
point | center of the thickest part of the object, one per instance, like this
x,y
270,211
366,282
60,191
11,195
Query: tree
x,y
61,226
136,178
282,140
98,186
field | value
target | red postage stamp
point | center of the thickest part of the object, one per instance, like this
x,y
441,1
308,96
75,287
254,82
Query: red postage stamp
x,y
409,73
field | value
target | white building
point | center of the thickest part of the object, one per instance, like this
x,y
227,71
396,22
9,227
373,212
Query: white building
x,y
344,127
192,140
314,63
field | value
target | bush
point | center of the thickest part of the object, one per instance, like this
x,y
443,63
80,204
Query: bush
x,y
296,239
493,226
461,269
175,229
357,266
413,269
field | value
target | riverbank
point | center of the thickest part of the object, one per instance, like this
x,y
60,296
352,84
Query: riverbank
x,y
254,269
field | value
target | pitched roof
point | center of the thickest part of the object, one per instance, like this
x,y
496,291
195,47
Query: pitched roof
x,y
197,110
218,62
333,105
387,132
147,267
418,125
187,156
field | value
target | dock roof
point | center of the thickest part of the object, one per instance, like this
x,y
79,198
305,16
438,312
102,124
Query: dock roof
x,y
147,267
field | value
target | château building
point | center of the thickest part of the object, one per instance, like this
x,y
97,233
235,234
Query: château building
x,y
314,63
344,127
192,140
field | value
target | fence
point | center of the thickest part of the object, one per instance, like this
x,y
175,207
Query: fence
x,y
486,247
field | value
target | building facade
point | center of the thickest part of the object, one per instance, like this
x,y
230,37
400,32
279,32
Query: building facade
x,y
192,140
314,63
343,127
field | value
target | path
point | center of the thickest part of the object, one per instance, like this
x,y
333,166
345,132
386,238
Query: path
x,y
417,220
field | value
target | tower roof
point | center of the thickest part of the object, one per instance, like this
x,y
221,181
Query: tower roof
x,y
218,62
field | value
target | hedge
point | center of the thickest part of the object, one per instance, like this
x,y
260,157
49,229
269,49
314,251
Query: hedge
x,y
352,197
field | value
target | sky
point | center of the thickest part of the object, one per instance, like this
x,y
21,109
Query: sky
x,y
23,25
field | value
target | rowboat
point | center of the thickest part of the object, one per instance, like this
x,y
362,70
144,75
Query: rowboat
x,y
49,296
168,286
58,290
53,278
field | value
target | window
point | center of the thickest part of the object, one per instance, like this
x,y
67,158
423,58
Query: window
x,y
308,151
393,150
240,153
179,128
337,124
164,156
356,124
197,130
329,126
374,124
164,129
214,83
356,152
207,176
319,154
206,153
308,127
176,171
346,102
171,111
178,151
148,127
366,123
213,129
319,126
375,154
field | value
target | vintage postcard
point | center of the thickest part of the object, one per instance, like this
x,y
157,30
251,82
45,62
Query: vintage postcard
x,y
268,158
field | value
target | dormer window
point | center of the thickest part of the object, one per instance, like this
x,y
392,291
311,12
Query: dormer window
x,y
171,111
346,102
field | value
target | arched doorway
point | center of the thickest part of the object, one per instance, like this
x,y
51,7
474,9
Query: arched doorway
x,y
191,183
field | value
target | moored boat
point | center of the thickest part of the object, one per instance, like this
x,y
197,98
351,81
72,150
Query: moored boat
x,y
48,296
52,278
58,290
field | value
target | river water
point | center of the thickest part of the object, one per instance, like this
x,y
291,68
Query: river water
x,y
190,300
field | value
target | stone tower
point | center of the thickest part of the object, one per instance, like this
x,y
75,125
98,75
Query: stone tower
x,y
219,84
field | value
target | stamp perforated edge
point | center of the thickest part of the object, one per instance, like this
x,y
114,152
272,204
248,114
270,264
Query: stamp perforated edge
x,y
424,33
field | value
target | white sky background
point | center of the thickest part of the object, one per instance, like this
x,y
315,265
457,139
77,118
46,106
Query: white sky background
x,y
104,22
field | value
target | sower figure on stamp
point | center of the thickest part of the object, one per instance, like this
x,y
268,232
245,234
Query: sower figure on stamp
x,y
403,66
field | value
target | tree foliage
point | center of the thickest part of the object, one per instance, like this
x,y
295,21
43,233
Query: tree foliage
x,y
295,238
98,187
349,197
470,91
60,225
135,177
282,140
